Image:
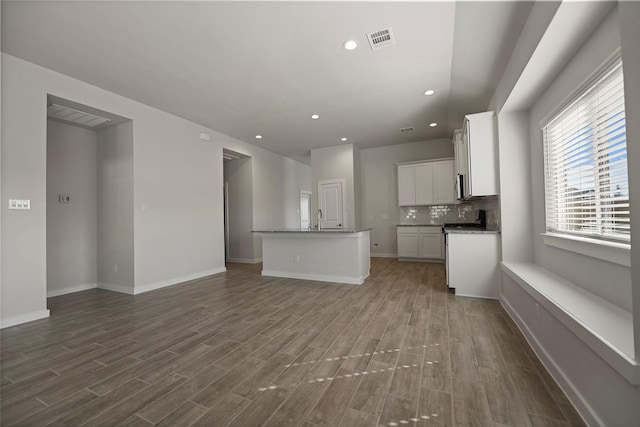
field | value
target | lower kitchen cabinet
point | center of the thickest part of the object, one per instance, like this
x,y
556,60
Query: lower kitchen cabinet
x,y
420,243
472,264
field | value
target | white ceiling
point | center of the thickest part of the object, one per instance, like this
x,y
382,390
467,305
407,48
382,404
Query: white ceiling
x,y
246,68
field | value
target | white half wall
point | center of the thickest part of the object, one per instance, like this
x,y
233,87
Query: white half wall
x,y
72,230
379,187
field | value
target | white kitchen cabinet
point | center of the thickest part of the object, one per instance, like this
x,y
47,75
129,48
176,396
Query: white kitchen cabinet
x,y
406,185
473,264
443,182
407,245
426,183
476,155
421,242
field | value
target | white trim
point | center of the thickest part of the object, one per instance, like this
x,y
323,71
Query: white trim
x,y
116,288
617,253
71,289
24,318
245,260
382,255
176,280
564,383
317,277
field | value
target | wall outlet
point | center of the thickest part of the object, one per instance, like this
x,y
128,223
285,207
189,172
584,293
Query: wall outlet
x,y
64,198
376,245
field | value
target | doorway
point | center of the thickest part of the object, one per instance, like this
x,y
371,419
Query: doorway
x,y
238,207
305,209
89,207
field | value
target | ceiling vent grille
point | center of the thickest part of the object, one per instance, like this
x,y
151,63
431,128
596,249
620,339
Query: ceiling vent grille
x,y
407,129
381,38
67,114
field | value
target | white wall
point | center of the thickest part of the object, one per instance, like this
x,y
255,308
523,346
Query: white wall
x,y
334,163
178,178
630,34
238,176
608,280
71,227
515,187
276,182
115,208
599,392
379,187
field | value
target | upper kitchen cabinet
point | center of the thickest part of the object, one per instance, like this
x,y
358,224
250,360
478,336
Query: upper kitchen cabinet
x,y
426,183
475,151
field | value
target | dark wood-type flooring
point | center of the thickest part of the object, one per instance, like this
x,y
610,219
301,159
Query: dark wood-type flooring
x,y
244,350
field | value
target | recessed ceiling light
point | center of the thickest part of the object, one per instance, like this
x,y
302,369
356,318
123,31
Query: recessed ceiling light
x,y
434,124
343,139
258,136
315,116
429,92
350,44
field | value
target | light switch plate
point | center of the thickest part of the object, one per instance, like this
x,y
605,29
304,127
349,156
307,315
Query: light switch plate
x,y
19,204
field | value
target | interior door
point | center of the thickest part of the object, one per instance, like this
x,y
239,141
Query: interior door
x,y
330,202
305,209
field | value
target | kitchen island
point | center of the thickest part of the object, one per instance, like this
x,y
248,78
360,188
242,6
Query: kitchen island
x,y
331,255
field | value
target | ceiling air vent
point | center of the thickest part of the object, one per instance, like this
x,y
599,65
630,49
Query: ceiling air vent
x,y
381,38
74,116
408,129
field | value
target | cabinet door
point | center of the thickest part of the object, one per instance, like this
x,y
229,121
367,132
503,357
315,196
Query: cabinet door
x,y
464,158
406,185
424,184
430,246
443,182
407,245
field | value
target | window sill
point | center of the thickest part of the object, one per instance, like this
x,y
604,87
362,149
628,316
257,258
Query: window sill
x,y
617,253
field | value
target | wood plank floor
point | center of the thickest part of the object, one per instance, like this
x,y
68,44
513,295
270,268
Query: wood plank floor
x,y
240,349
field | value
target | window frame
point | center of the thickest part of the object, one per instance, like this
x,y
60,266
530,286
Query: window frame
x,y
611,249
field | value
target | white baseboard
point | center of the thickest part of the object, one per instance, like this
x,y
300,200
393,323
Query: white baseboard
x,y
383,255
318,277
71,289
24,318
245,260
116,288
565,384
176,280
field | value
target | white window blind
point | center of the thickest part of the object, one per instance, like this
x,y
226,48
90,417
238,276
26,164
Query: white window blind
x,y
585,147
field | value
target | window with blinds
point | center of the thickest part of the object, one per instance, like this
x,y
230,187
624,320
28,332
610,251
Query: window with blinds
x,y
585,148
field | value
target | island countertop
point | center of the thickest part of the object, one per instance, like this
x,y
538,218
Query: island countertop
x,y
315,230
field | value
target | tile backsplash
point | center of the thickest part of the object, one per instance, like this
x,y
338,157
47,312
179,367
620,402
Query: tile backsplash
x,y
463,212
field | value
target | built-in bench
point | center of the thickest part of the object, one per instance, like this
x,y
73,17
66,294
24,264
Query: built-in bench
x,y
606,328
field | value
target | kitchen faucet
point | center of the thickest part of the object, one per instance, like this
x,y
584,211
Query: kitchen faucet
x,y
319,218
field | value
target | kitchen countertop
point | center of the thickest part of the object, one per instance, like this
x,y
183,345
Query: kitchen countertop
x,y
470,231
419,225
315,231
